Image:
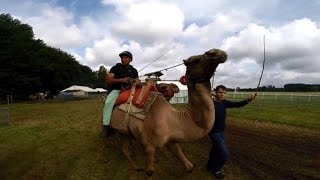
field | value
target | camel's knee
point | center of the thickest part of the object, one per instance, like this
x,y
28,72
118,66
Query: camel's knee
x,y
149,150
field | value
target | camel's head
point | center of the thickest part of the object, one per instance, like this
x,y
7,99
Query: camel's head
x,y
200,68
168,90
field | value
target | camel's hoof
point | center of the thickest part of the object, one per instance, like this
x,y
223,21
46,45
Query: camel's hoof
x,y
150,173
139,169
191,169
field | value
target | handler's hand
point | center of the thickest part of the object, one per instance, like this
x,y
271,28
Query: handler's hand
x,y
253,96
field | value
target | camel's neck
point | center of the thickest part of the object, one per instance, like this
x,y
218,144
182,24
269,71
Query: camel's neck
x,y
198,117
200,105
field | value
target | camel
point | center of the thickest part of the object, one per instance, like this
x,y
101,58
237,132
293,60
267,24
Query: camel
x,y
168,90
33,97
166,126
41,97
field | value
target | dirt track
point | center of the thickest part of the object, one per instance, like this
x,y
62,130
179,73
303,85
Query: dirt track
x,y
257,151
264,150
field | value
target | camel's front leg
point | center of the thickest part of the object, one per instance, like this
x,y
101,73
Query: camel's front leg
x,y
150,151
177,151
126,152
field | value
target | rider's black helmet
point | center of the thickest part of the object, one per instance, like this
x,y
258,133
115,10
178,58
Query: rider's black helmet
x,y
126,53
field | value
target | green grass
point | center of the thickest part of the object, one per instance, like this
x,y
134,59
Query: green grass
x,y
296,113
61,141
29,147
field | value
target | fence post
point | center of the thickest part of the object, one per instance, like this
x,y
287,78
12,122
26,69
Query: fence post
x,y
275,97
262,95
291,97
8,99
309,97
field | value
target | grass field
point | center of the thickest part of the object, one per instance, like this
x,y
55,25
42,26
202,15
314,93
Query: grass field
x,y
297,113
60,140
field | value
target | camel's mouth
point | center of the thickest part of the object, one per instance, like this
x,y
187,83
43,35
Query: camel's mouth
x,y
212,56
200,68
216,55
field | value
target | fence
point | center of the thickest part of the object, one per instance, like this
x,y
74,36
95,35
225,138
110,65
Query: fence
x,y
277,96
5,116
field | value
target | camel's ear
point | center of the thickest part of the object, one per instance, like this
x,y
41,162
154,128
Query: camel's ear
x,y
184,62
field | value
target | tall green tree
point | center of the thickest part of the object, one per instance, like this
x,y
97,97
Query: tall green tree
x,y
28,65
101,77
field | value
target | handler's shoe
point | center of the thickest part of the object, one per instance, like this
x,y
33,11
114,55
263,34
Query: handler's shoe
x,y
218,175
106,131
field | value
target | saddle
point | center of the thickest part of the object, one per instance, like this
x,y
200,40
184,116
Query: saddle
x,y
141,93
143,97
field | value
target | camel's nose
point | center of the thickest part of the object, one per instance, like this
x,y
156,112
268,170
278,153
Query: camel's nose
x,y
223,56
216,56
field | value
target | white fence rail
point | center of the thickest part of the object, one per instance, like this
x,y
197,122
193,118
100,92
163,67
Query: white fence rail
x,y
307,97
182,97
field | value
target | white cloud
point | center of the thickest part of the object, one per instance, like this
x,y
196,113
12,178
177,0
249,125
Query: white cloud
x,y
56,27
291,52
150,22
148,28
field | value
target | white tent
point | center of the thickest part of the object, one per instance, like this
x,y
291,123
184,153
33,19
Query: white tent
x,y
100,90
78,88
80,92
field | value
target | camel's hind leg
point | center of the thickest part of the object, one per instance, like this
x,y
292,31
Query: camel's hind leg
x,y
177,151
150,151
126,152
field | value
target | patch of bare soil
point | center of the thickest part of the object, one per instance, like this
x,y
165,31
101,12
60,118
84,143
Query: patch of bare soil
x,y
263,150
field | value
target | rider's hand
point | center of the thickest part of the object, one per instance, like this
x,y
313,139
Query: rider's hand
x,y
132,80
126,80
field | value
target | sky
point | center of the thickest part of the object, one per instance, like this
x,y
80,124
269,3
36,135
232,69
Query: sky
x,y
164,32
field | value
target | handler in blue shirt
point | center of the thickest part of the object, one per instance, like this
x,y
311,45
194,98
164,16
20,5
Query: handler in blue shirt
x,y
219,152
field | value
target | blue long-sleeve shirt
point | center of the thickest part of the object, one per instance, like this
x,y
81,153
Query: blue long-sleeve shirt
x,y
220,113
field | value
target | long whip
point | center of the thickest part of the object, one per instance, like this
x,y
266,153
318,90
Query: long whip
x,y
264,60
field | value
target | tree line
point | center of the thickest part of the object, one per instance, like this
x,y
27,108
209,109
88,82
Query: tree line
x,y
298,87
28,65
